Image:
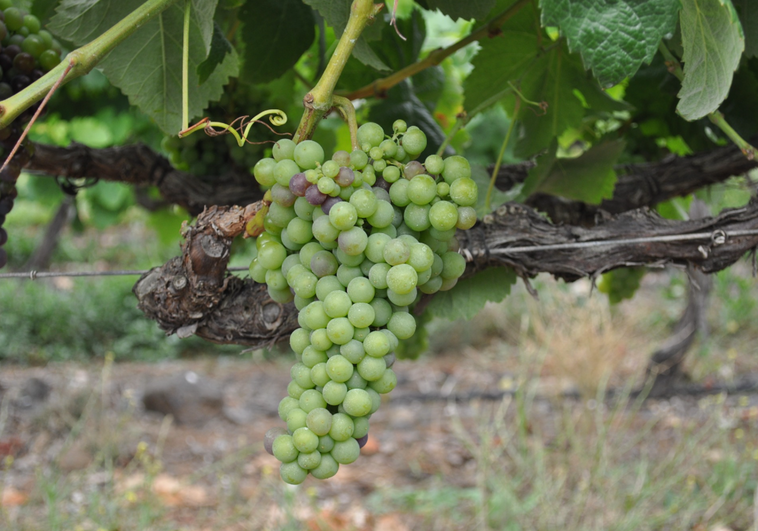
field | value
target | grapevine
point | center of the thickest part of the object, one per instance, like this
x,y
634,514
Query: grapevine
x,y
354,240
28,52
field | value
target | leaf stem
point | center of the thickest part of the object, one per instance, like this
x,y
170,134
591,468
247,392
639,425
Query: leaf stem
x,y
185,66
498,163
381,86
81,60
319,100
716,117
345,107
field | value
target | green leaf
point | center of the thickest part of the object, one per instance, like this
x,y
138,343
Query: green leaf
x,y
713,43
147,66
220,47
501,59
471,294
275,33
550,79
467,10
482,179
749,18
336,13
614,37
589,178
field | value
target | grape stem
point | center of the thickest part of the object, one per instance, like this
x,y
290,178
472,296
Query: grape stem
x,y
320,100
346,110
80,61
381,86
716,117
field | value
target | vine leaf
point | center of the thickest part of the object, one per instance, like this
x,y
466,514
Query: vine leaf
x,y
336,13
470,295
502,59
749,19
147,66
550,79
469,9
589,178
275,34
713,42
220,47
614,37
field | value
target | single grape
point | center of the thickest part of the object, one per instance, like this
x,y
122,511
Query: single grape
x,y
283,448
284,149
292,473
308,154
370,133
464,191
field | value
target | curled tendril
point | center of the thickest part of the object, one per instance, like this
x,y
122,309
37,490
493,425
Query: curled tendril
x,y
277,117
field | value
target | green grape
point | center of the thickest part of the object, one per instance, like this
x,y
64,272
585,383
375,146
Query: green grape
x,y
402,279
299,340
443,189
318,374
323,230
361,315
370,133
417,217
422,189
339,368
320,340
32,23
403,325
382,311
453,265
400,126
443,216
340,330
376,344
399,193
358,159
319,421
308,154
284,449
33,45
325,444
284,149
310,400
353,351
342,427
371,368
292,473
346,274
360,290
324,264
347,259
456,167
275,280
326,185
434,164
356,381
357,403
308,461
315,315
414,141
304,209
305,440
466,218
296,419
421,257
327,468
301,303
383,215
365,203
312,357
343,215
464,192
386,383
334,393
401,299
286,405
326,285
14,20
337,304
353,241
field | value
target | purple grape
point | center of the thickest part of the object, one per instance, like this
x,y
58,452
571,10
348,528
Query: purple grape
x,y
413,168
314,196
36,74
381,183
282,196
270,437
341,157
6,205
8,176
362,441
19,83
345,177
6,63
3,236
329,203
299,184
24,63
12,51
389,359
5,90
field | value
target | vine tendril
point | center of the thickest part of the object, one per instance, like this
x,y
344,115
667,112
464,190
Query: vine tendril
x,y
277,118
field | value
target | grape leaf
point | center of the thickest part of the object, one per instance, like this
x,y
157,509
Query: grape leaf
x,y
501,59
147,66
275,34
550,79
749,18
471,294
482,179
589,178
220,47
713,43
467,10
336,13
614,37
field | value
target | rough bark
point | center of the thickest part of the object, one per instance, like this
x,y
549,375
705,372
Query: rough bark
x,y
40,259
638,185
139,165
227,309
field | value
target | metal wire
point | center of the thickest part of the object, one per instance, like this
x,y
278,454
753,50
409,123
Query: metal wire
x,y
717,237
34,275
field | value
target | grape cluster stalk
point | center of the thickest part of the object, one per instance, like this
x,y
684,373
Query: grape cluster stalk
x,y
27,52
355,241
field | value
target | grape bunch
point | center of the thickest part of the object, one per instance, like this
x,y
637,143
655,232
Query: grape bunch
x,y
354,241
27,52
621,284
